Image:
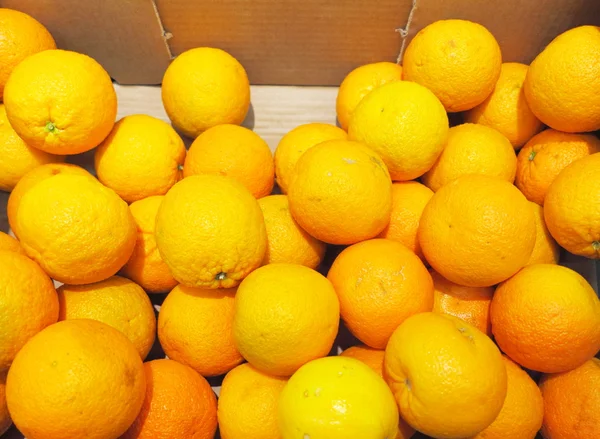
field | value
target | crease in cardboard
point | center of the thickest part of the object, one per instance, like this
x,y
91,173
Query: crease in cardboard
x,y
403,31
166,35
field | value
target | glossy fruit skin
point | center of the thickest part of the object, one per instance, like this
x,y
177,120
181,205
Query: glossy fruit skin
x,y
546,250
8,243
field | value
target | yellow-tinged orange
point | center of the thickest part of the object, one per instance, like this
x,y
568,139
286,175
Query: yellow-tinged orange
x,y
204,87
142,156
28,303
79,231
545,156
458,60
394,118
472,149
61,102
8,243
5,421
506,109
236,152
341,192
359,83
145,266
194,328
458,400
547,318
210,232
563,81
116,301
248,404
76,379
477,231
546,250
285,316
179,404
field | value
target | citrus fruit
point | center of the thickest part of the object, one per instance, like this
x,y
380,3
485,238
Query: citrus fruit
x,y
545,156
28,303
142,156
194,328
61,102
285,315
5,421
8,243
547,318
76,378
571,207
523,409
546,250
457,400
379,284
210,232
22,35
116,301
409,198
341,192
204,87
145,266
395,117
337,397
17,157
287,242
235,152
78,230
179,403
477,231
297,142
472,149
248,404
471,304
571,402
506,109
458,60
564,79
359,83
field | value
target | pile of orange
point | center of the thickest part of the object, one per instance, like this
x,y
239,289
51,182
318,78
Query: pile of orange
x,y
429,252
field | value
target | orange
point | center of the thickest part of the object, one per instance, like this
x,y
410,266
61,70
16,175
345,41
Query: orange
x,y
118,302
395,117
409,199
17,158
32,178
471,304
571,207
204,87
61,102
546,250
297,142
572,402
78,230
341,192
337,398
22,35
235,152
506,109
179,404
28,303
8,243
564,79
379,283
5,421
285,315
248,404
210,232
359,83
452,388
76,378
142,156
286,241
472,149
545,156
194,328
477,231
547,318
145,266
523,409
460,61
